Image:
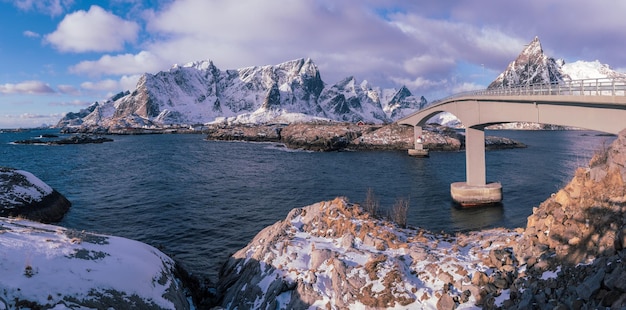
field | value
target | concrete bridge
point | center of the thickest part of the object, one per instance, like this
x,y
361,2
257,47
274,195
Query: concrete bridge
x,y
595,104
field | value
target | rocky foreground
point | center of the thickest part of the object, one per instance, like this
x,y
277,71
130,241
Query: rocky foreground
x,y
334,255
328,136
50,267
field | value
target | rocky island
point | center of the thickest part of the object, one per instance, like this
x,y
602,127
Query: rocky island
x,y
333,136
75,139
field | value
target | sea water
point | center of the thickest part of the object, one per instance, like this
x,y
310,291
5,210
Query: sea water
x,y
199,201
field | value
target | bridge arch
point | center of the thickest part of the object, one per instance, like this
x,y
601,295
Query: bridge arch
x,y
597,104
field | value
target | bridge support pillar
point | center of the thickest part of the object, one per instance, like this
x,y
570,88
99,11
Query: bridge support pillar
x,y
418,150
475,191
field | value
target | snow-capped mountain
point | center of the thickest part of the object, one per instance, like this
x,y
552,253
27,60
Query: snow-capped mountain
x,y
199,92
580,70
532,66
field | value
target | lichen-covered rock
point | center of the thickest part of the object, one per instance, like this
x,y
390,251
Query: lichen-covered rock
x,y
24,195
334,255
44,266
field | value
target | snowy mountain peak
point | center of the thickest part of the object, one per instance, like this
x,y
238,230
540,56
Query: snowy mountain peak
x,y
531,66
202,65
579,70
198,92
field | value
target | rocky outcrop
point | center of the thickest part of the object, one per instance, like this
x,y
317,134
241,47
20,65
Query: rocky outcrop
x,y
75,139
334,255
328,136
50,267
24,195
578,237
322,137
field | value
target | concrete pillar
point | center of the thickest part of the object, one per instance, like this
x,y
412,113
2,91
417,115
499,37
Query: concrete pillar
x,y
417,137
418,141
475,169
475,191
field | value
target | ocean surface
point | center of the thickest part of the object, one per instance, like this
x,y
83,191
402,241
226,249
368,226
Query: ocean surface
x,y
199,201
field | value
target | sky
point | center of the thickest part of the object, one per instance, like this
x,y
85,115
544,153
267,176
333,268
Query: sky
x,y
59,56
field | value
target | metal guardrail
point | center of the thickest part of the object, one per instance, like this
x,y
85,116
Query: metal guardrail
x,y
586,87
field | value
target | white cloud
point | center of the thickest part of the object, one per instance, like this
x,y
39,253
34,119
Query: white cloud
x,y
26,87
427,46
71,103
463,87
31,34
68,89
108,84
49,7
129,82
93,31
126,82
120,64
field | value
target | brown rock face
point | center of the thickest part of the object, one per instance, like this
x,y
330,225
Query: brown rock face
x,y
577,236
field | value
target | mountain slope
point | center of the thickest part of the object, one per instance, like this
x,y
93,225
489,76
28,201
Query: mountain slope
x,y
199,92
531,66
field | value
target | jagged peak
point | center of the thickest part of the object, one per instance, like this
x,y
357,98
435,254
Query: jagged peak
x,y
533,48
350,80
199,65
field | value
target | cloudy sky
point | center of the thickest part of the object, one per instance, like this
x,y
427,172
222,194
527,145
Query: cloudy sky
x,y
59,56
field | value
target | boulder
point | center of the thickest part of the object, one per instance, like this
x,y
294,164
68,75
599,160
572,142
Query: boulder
x,y
24,195
45,266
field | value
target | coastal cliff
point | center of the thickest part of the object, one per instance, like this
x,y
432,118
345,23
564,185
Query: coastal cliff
x,y
335,255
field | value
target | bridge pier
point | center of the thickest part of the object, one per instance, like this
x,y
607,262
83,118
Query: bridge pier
x,y
418,150
475,191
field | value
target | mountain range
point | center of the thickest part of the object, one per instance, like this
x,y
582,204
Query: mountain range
x,y
200,93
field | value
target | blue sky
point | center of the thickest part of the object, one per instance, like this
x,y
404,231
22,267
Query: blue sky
x,y
58,56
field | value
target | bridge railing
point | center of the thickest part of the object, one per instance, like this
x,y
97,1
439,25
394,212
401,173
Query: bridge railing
x,y
586,87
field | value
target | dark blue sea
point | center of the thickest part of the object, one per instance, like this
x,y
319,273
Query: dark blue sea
x,y
200,201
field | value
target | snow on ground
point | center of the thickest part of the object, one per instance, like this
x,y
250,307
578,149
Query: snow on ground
x,y
332,255
19,187
53,266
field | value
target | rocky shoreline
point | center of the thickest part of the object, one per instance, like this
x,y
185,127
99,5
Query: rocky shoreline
x,y
327,136
336,254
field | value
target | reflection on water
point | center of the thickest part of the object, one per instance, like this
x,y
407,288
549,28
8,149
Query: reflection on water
x,y
472,218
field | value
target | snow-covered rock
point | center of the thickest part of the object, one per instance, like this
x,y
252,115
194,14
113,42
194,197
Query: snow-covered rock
x,y
22,194
199,92
334,255
44,266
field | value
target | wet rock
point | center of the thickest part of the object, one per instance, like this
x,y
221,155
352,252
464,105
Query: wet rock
x,y
24,195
